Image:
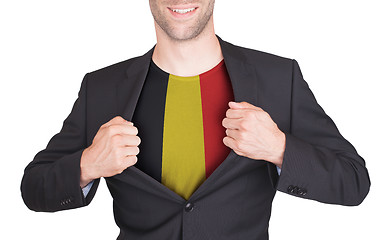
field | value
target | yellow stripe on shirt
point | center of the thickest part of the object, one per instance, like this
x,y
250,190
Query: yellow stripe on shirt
x,y
183,166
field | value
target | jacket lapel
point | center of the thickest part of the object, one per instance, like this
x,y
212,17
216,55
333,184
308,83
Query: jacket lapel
x,y
129,88
243,79
242,74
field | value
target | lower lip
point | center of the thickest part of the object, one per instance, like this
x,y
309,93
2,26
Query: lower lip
x,y
182,15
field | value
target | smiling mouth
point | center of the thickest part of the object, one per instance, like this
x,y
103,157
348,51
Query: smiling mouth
x,y
183,11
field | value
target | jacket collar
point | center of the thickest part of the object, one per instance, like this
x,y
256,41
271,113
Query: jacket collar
x,y
242,74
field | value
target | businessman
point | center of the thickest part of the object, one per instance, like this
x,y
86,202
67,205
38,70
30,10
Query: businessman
x,y
194,138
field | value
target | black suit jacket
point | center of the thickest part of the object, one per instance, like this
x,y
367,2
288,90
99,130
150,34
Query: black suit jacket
x,y
235,201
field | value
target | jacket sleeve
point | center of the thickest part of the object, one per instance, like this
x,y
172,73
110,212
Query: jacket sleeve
x,y
51,182
319,163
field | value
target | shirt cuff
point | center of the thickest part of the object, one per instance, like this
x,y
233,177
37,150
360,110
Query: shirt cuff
x,y
87,188
278,170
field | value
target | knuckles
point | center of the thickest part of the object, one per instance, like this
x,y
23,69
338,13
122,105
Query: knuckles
x,y
250,114
263,116
242,135
117,118
116,140
244,124
112,130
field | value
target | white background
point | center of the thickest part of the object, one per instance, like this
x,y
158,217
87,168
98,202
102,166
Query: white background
x,y
47,47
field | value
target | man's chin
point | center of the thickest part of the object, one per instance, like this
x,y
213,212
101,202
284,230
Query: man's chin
x,y
184,35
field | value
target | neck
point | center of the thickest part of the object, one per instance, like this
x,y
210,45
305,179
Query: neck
x,y
188,57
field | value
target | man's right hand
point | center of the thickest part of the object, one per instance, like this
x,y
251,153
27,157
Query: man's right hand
x,y
113,149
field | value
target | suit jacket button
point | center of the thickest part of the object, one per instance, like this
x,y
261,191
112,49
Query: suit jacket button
x,y
189,207
291,189
302,191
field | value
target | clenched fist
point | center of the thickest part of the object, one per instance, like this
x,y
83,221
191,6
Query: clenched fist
x,y
252,133
113,149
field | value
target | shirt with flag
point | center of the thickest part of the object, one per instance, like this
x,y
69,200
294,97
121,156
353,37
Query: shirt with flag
x,y
179,122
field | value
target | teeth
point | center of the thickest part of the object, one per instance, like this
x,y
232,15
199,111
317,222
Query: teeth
x,y
183,10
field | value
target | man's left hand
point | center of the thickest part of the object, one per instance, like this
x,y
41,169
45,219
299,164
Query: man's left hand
x,y
252,133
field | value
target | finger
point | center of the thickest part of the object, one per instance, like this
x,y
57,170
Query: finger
x,y
242,105
130,151
231,123
121,129
125,140
232,133
231,143
131,140
234,113
130,160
